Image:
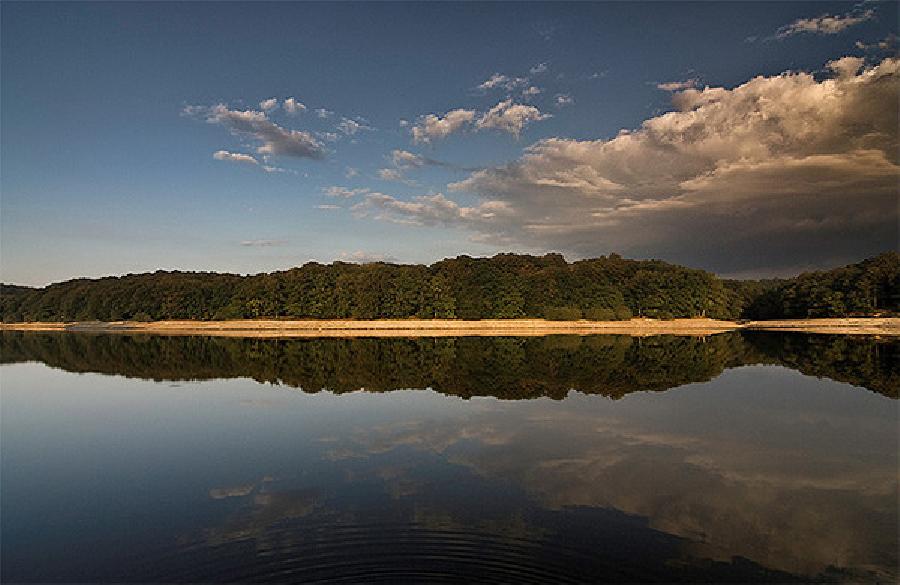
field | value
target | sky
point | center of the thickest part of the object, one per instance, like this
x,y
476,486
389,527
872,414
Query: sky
x,y
748,139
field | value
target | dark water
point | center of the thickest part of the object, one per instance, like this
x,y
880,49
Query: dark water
x,y
737,457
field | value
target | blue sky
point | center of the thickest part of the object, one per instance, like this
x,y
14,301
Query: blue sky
x,y
110,128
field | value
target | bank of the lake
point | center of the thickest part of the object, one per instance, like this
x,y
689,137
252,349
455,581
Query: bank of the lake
x,y
459,327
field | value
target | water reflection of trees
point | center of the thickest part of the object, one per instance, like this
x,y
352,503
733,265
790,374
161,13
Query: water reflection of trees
x,y
505,367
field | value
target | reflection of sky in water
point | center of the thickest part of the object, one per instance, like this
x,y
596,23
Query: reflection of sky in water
x,y
108,476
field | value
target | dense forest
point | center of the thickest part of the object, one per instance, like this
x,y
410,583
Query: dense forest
x,y
504,286
504,367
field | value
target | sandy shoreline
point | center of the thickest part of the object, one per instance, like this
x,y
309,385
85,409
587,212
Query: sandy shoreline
x,y
447,327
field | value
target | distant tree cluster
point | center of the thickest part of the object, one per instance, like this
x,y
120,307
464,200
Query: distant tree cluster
x,y
870,287
504,286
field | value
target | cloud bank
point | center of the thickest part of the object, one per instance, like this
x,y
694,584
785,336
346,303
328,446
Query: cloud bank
x,y
779,167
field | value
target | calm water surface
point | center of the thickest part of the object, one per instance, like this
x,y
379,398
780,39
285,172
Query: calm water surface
x,y
737,457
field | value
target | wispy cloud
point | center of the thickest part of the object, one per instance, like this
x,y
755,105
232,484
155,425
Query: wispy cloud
x,y
263,243
678,85
510,117
344,192
826,24
432,210
362,257
236,157
564,99
500,81
255,125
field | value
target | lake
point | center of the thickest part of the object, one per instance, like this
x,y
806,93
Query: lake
x,y
735,457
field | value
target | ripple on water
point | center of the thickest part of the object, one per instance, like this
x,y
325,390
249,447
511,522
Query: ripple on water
x,y
375,553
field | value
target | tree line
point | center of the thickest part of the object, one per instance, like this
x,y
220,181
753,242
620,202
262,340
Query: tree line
x,y
500,287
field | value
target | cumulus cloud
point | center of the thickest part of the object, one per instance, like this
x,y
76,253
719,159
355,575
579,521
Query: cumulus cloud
x,y
538,69
510,117
237,157
531,91
292,106
431,127
273,139
778,171
826,24
269,104
323,113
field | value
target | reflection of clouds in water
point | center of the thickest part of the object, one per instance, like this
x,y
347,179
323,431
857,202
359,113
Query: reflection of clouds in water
x,y
263,511
237,491
799,491
429,435
231,492
265,508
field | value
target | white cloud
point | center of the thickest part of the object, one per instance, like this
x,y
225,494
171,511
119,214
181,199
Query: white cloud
x,y
531,91
350,127
388,174
292,106
323,113
263,243
351,172
406,159
509,117
786,167
328,207
237,157
431,126
428,210
269,104
274,169
538,69
498,81
362,257
888,43
825,24
678,85
564,99
274,139
344,192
